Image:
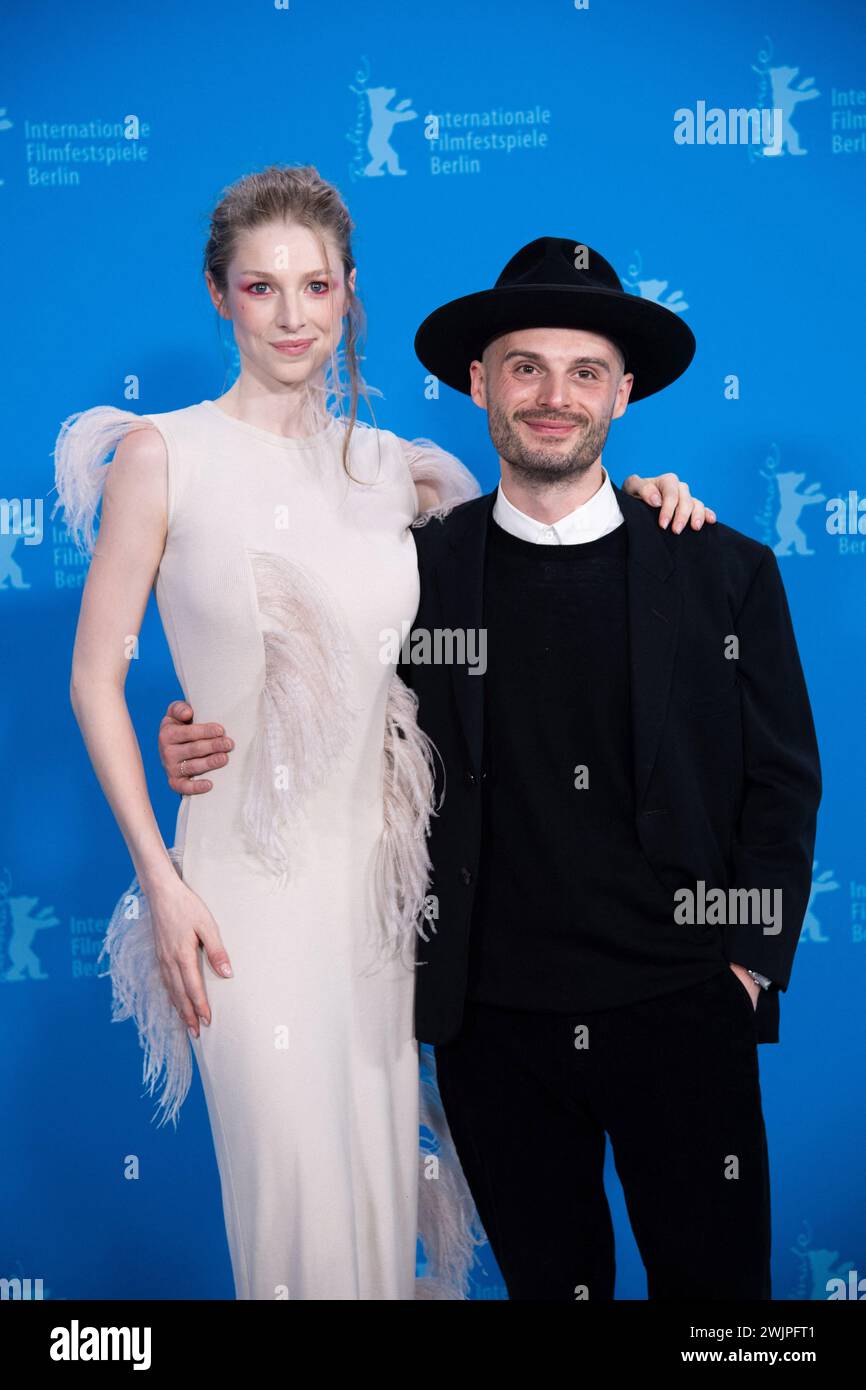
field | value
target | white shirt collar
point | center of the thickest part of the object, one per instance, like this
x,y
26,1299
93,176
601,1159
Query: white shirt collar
x,y
594,518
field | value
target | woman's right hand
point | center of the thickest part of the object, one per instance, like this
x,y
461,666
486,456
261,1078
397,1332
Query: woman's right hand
x,y
181,922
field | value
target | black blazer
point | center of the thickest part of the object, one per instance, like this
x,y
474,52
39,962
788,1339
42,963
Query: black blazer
x,y
727,772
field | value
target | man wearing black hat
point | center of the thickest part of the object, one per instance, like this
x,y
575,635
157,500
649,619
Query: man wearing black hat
x,y
640,744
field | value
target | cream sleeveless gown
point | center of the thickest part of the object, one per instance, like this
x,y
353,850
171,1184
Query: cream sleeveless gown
x,y
279,580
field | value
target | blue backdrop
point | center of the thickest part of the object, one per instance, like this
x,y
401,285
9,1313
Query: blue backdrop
x,y
456,133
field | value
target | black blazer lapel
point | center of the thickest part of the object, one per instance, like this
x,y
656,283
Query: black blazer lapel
x,y
460,588
654,604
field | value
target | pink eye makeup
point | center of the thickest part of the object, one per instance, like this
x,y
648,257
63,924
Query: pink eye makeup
x,y
318,287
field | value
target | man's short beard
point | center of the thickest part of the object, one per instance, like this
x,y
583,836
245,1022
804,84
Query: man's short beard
x,y
537,465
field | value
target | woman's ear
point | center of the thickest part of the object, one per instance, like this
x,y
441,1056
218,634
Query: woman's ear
x,y
217,299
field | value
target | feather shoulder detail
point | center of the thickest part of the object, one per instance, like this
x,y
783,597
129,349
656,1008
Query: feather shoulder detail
x,y
81,454
306,719
450,480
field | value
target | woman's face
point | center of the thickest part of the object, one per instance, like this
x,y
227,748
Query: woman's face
x,y
287,306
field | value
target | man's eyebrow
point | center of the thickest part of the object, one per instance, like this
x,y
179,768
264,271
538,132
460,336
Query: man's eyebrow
x,y
575,361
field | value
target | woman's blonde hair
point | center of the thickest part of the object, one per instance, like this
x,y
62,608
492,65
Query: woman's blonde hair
x,y
296,193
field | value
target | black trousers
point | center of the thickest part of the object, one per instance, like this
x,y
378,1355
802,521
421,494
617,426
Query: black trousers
x,y
674,1082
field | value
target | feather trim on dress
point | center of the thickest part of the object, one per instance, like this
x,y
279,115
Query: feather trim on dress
x,y
402,867
450,479
306,720
80,465
139,992
448,1223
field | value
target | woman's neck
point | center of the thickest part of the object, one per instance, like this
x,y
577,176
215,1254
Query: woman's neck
x,y
293,414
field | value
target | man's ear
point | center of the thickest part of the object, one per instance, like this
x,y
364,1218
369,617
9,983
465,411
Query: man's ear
x,y
623,391
478,384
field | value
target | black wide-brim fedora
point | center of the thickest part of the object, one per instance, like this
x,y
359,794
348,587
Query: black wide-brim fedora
x,y
557,282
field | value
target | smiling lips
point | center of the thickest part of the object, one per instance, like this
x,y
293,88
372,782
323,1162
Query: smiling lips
x,y
293,347
551,427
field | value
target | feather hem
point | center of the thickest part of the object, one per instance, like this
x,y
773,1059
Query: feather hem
x,y
139,992
448,1223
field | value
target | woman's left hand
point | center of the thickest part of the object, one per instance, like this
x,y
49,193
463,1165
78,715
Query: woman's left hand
x,y
674,498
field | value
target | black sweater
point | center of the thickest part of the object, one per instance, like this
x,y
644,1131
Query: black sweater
x,y
568,914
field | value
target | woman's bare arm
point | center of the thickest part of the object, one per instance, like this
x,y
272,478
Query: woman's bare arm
x,y
125,560
126,557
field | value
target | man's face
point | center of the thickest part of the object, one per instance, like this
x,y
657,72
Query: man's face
x,y
550,395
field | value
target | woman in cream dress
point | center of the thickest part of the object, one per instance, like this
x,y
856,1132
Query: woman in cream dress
x,y
277,539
